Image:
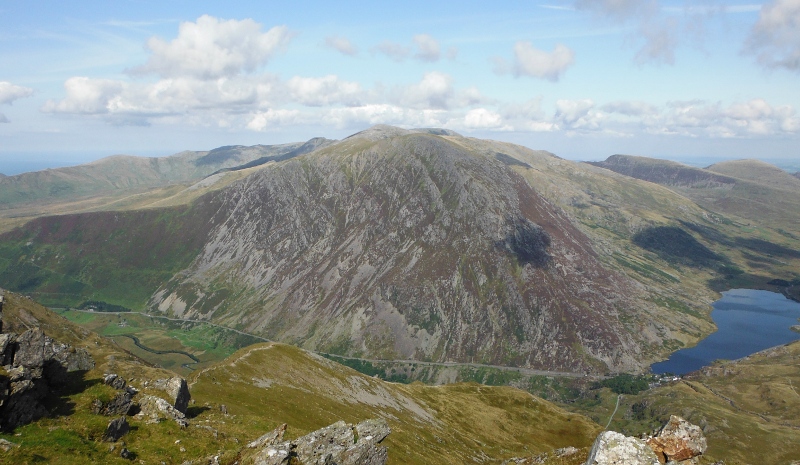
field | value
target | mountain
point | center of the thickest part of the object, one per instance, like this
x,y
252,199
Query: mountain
x,y
419,244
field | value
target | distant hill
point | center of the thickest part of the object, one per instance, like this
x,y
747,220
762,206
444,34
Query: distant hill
x,y
759,172
122,173
751,189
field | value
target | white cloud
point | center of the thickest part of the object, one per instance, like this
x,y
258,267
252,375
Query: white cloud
x,y
3,119
576,114
428,49
342,45
397,52
530,61
775,38
86,96
212,48
166,96
327,90
384,114
10,92
271,118
481,118
434,91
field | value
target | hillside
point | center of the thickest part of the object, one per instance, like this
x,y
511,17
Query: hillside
x,y
265,385
747,408
752,190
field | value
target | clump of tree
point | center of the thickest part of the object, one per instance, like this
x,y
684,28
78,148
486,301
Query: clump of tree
x,y
625,383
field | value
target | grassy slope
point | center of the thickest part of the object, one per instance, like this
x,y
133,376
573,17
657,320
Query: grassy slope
x,y
458,423
747,408
749,215
116,257
269,384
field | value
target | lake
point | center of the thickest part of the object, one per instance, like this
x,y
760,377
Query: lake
x,y
748,320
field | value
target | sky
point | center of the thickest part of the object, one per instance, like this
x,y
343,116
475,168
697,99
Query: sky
x,y
690,81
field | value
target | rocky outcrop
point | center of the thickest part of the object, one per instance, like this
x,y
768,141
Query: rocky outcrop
x,y
155,409
177,389
339,443
33,366
677,442
117,428
612,448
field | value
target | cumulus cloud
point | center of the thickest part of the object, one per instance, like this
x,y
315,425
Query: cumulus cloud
x,y
342,45
775,38
397,52
10,92
531,61
481,118
86,96
575,114
212,48
271,118
382,113
324,91
434,91
428,49
167,96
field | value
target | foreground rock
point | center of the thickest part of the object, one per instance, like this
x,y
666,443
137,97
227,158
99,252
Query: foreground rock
x,y
677,442
33,366
177,389
155,409
612,448
336,443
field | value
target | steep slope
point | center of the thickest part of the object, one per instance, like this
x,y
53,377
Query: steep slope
x,y
119,257
396,244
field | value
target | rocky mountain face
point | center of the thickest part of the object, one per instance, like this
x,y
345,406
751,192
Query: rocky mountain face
x,y
399,244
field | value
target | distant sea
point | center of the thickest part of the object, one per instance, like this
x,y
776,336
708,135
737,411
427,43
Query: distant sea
x,y
12,167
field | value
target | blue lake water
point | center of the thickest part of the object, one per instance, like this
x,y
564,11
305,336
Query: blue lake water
x,y
748,321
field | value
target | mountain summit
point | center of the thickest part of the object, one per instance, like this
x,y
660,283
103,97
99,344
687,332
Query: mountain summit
x,y
408,244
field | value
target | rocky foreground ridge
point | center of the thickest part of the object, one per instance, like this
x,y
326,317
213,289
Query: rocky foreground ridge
x,y
32,366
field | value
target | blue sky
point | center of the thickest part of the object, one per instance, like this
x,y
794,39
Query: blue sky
x,y
583,79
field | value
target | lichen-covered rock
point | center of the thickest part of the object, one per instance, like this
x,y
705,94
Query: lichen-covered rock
x,y
336,443
156,409
678,440
612,448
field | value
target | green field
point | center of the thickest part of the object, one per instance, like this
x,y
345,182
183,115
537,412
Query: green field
x,y
187,346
